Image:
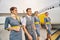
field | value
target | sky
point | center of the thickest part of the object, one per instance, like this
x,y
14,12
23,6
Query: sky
x,y
34,4
23,4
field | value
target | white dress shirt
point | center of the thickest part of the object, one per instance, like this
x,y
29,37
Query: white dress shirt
x,y
24,20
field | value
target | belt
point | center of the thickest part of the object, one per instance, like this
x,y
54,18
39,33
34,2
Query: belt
x,y
48,23
15,26
36,22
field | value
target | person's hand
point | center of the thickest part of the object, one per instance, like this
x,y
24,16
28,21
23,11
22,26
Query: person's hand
x,y
47,28
34,28
30,37
40,27
16,29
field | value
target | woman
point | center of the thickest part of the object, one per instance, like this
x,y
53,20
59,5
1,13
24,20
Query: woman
x,y
15,23
37,24
48,25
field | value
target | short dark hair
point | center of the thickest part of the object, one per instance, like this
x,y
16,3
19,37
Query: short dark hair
x,y
28,9
12,8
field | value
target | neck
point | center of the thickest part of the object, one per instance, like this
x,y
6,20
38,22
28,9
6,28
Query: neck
x,y
46,16
36,15
13,15
28,15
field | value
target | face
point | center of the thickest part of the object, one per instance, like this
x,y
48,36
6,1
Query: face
x,y
36,13
46,14
29,12
15,11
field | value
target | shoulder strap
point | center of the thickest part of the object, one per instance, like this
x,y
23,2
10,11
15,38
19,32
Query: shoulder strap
x,y
18,18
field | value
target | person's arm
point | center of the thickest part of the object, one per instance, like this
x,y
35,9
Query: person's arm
x,y
39,22
34,23
25,30
50,22
45,23
34,26
7,24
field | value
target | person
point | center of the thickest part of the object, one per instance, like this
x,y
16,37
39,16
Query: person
x,y
15,25
37,24
28,26
48,26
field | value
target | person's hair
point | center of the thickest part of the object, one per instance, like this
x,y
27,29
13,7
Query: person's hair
x,y
46,12
28,9
36,12
12,8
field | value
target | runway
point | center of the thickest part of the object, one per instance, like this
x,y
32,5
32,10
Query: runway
x,y
4,34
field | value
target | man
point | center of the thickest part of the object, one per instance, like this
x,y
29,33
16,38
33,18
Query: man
x,y
28,25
